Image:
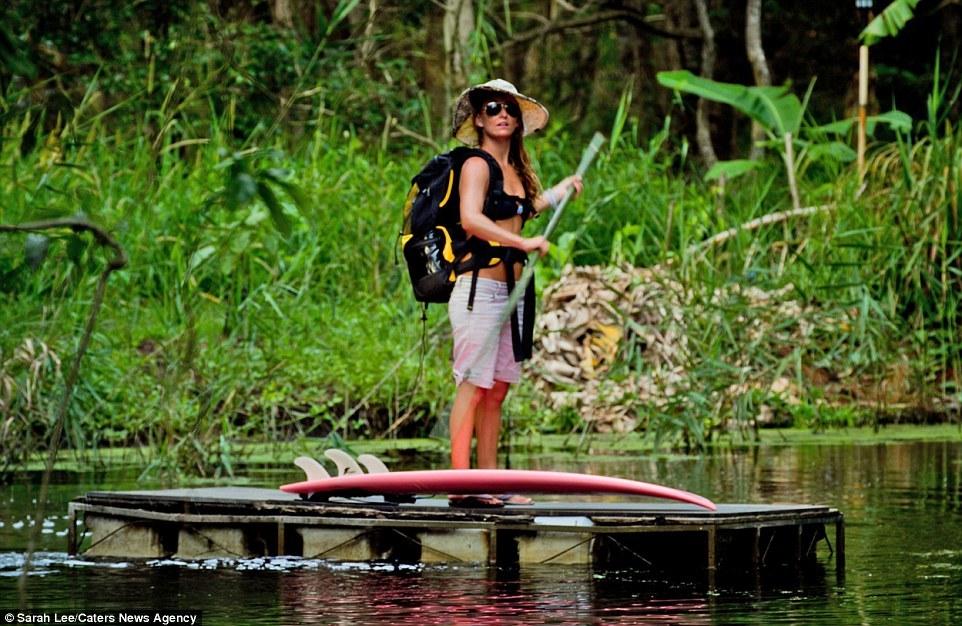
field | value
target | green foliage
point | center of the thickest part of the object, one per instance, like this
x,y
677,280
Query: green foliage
x,y
194,71
776,108
889,22
873,278
731,169
780,113
918,231
255,180
13,59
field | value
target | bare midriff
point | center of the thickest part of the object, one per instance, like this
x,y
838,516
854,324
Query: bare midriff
x,y
496,272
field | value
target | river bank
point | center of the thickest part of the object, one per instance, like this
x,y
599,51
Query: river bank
x,y
531,450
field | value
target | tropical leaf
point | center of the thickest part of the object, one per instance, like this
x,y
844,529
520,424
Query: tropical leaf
x,y
834,150
841,127
776,108
296,194
896,120
889,22
731,169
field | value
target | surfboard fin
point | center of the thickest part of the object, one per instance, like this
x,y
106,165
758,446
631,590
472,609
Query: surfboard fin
x,y
346,465
345,462
312,468
373,464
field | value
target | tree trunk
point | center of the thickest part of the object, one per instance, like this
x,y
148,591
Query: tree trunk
x,y
435,77
702,126
282,13
458,26
756,56
678,17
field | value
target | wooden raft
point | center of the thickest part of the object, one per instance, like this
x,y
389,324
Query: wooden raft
x,y
675,539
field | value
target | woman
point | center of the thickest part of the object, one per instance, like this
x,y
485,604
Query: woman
x,y
495,117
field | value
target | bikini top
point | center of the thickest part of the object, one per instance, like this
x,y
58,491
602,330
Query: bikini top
x,y
502,206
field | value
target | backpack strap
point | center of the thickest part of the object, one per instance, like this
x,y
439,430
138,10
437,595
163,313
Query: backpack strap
x,y
495,176
522,331
474,288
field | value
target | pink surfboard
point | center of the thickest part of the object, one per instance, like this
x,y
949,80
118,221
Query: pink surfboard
x,y
475,481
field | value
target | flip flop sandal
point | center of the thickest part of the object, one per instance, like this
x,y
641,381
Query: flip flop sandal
x,y
514,498
478,501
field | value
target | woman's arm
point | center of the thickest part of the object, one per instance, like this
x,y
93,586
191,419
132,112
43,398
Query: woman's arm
x,y
473,190
552,196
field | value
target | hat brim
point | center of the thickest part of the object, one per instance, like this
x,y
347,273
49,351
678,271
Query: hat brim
x,y
534,115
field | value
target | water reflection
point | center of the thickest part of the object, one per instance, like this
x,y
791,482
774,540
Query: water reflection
x,y
468,596
904,546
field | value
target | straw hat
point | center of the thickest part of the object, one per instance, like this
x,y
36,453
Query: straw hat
x,y
534,116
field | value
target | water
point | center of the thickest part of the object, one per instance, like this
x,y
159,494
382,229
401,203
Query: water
x,y
902,503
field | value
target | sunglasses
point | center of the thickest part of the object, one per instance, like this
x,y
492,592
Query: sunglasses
x,y
493,109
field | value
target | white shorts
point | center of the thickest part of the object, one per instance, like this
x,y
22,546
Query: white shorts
x,y
473,361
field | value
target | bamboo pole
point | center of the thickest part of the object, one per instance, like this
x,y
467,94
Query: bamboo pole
x,y
862,108
790,170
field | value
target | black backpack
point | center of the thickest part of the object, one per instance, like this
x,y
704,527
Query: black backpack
x,y
432,239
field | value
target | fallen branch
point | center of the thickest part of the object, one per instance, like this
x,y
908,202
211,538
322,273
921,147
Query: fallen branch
x,y
76,224
765,220
400,130
119,260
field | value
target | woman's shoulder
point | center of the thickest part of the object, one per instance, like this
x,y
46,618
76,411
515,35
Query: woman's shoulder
x,y
475,167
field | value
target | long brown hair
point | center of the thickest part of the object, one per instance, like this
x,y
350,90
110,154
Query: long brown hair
x,y
517,155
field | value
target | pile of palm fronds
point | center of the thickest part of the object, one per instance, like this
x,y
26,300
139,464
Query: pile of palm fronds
x,y
618,344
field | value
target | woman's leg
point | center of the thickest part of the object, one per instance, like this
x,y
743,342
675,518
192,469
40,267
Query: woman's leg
x,y
463,413
488,424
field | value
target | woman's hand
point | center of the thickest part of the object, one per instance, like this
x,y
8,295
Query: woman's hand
x,y
539,243
553,195
572,181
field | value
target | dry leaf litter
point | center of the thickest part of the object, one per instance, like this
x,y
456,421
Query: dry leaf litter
x,y
592,313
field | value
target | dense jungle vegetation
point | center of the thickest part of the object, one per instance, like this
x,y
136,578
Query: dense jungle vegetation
x,y
251,157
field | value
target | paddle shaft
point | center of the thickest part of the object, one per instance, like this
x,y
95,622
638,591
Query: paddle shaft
x,y
586,158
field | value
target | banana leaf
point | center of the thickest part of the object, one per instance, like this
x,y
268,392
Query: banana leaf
x,y
889,22
776,108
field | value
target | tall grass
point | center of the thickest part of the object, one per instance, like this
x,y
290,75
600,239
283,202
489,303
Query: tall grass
x,y
867,327
241,314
